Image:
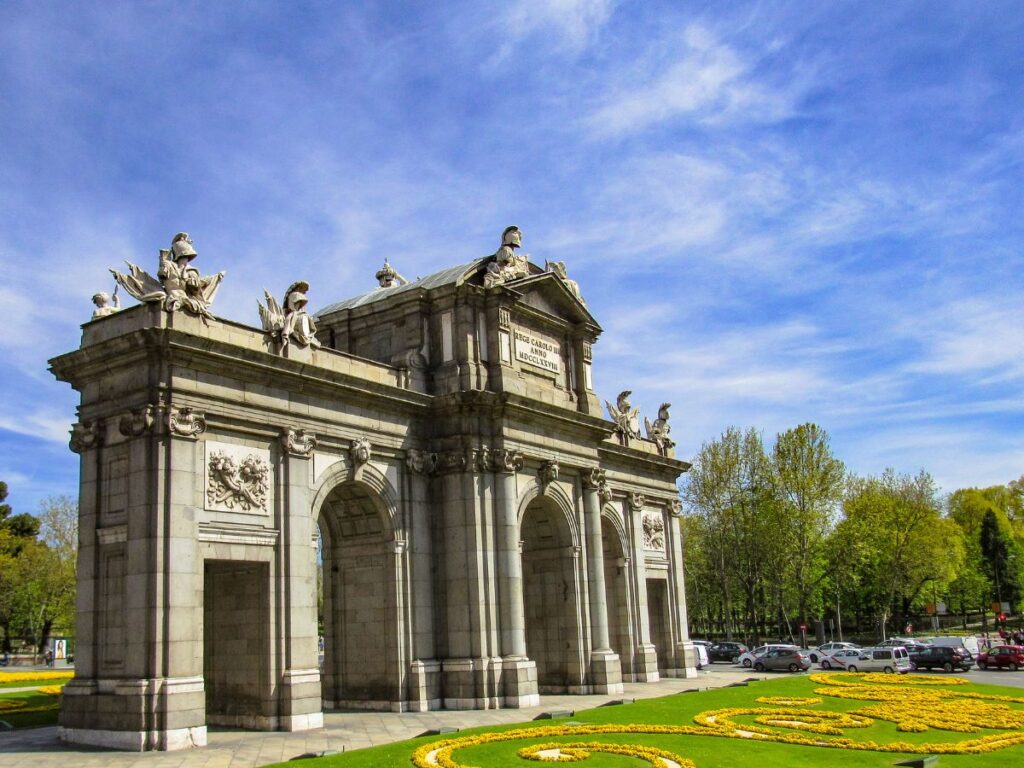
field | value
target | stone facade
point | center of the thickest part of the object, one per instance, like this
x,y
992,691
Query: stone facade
x,y
487,535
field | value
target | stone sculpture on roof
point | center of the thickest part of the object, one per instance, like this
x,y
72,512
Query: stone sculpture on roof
x,y
292,323
178,285
388,277
625,416
507,264
558,268
102,302
658,431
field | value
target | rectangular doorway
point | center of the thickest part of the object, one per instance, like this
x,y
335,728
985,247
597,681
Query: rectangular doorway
x,y
236,644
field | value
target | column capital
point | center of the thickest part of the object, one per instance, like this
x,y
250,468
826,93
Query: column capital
x,y
506,460
675,508
420,462
636,501
593,478
87,434
138,422
185,422
298,442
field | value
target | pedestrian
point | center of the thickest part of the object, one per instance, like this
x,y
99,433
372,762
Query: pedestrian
x,y
49,657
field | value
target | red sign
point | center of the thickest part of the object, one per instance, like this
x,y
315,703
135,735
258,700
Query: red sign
x,y
803,627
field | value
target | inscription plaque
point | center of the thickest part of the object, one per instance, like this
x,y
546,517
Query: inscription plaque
x,y
538,352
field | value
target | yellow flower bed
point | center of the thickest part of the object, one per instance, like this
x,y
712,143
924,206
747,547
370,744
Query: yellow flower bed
x,y
574,752
51,690
32,677
914,703
789,701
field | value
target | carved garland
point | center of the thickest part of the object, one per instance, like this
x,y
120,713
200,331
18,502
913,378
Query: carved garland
x,y
238,485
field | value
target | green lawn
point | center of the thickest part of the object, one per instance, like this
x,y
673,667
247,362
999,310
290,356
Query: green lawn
x,y
36,709
726,752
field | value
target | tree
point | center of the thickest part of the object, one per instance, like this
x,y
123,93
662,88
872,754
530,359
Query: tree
x,y
809,485
998,554
896,540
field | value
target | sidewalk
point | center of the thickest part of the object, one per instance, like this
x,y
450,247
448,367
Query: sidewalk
x,y
346,731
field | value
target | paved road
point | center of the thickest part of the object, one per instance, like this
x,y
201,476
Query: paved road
x,y
991,676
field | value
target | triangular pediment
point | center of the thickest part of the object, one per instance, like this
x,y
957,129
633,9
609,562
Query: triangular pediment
x,y
548,293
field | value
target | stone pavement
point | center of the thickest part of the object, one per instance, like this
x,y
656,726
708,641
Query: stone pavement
x,y
346,731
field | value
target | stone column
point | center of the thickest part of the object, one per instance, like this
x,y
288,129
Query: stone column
x,y
645,668
425,669
605,667
519,673
686,658
299,695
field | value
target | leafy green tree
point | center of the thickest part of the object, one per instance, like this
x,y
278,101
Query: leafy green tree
x,y
897,540
809,485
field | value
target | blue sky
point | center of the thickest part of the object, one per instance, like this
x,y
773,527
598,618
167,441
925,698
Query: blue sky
x,y
779,212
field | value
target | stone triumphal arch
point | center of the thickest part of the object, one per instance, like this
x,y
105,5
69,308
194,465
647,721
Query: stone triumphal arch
x,y
487,534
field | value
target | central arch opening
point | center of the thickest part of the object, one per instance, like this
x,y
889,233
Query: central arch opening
x,y
551,597
360,666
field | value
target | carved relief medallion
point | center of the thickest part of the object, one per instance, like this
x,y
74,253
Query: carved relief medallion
x,y
237,478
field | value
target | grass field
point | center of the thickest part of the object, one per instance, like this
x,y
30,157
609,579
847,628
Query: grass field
x,y
899,718
29,709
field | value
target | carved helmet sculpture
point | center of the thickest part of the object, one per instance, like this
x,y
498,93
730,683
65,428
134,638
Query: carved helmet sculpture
x,y
182,247
512,237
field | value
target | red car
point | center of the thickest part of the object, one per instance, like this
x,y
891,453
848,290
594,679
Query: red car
x,y
1009,656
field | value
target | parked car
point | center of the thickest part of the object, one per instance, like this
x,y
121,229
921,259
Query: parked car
x,y
726,651
749,658
942,657
881,659
794,659
1009,657
893,642
816,654
968,642
838,658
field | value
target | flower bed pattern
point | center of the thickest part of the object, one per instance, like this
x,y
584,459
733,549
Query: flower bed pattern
x,y
915,704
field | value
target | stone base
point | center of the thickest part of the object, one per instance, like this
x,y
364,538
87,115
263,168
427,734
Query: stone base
x,y
519,679
646,664
424,686
605,672
301,702
135,741
686,660
471,683
134,714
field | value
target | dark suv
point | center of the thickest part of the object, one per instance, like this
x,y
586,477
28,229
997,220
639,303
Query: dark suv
x,y
726,651
942,657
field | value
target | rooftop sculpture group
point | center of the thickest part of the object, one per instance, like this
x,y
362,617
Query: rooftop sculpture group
x,y
290,324
178,285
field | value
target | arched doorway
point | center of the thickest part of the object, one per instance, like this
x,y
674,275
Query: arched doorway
x,y
620,636
362,667
551,597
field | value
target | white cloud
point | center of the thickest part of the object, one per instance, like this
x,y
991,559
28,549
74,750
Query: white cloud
x,y
572,24
42,424
707,82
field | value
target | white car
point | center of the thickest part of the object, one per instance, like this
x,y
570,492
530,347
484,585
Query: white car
x,y
839,658
750,658
827,648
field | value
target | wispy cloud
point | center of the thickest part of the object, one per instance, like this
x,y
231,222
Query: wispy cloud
x,y
569,24
698,78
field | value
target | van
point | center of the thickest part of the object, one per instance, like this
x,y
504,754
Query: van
x,y
701,652
881,660
970,642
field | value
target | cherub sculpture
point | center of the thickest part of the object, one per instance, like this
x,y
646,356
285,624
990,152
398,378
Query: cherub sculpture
x,y
178,285
625,416
292,323
103,305
558,268
658,431
507,264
